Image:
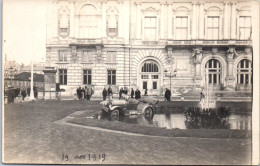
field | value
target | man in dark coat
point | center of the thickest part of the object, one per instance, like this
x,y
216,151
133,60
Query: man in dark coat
x,y
104,93
132,93
110,93
145,92
137,94
167,94
23,93
28,91
79,93
120,93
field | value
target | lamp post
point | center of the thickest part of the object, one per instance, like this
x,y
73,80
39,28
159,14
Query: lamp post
x,y
170,75
32,91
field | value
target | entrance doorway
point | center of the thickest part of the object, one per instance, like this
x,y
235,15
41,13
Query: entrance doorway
x,y
150,77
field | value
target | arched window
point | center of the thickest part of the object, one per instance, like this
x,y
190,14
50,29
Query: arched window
x,y
150,66
244,72
88,22
214,71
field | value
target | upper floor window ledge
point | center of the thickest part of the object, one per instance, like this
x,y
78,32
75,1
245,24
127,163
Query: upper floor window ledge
x,y
87,62
63,62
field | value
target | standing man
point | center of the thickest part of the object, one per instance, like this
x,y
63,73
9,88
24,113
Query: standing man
x,y
202,95
78,93
23,93
132,93
120,93
137,94
104,93
28,91
110,93
91,92
86,91
82,93
169,95
145,92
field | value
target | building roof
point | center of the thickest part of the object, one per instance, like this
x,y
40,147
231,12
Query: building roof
x,y
26,76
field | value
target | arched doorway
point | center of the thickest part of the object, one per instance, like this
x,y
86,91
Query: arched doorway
x,y
213,76
244,74
150,76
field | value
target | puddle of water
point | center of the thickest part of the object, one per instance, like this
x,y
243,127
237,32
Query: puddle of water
x,y
170,120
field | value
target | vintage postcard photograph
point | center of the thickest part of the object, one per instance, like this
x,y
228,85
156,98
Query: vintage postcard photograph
x,y
136,82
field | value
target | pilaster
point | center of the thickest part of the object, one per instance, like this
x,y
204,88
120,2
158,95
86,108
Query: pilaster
x,y
233,20
226,20
138,6
72,19
169,17
201,20
194,21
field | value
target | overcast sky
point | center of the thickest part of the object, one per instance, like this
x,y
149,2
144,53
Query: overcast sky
x,y
24,30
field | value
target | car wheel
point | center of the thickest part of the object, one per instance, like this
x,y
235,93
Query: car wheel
x,y
148,112
115,114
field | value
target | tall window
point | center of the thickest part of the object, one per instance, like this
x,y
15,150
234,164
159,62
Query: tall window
x,y
181,28
63,76
86,76
63,55
111,77
214,71
111,56
244,27
150,28
213,27
244,72
88,22
87,56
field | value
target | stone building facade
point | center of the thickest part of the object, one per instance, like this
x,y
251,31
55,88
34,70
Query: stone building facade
x,y
132,43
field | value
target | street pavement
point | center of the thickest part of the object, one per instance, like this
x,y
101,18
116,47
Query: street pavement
x,y
31,135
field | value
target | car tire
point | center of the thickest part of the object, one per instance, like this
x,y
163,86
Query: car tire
x,y
148,112
115,115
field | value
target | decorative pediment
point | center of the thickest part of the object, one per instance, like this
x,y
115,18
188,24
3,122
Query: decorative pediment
x,y
150,11
181,10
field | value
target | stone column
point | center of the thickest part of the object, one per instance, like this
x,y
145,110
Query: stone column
x,y
226,20
201,21
233,20
72,19
194,21
169,12
138,24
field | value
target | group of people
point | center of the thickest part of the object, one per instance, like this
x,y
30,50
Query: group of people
x,y
84,93
134,94
12,93
122,91
108,93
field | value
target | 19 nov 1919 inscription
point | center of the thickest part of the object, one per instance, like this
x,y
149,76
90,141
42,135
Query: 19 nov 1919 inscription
x,y
89,157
